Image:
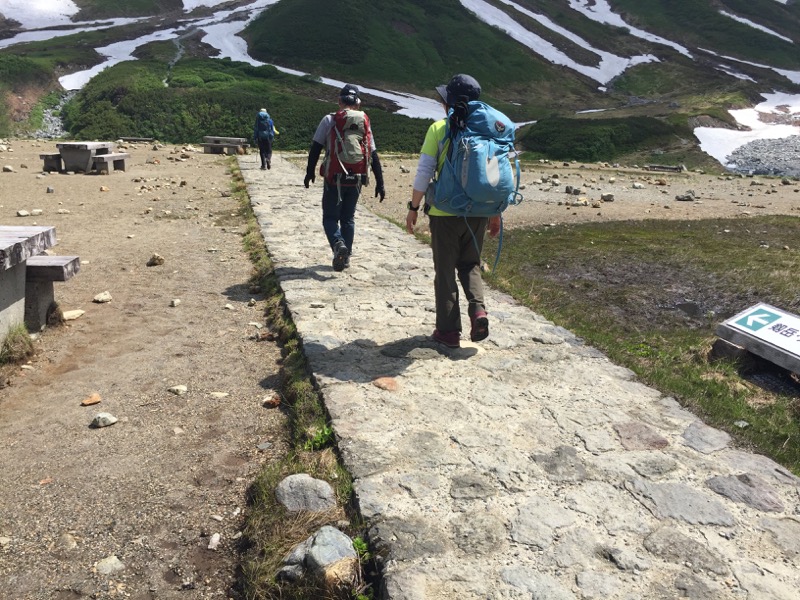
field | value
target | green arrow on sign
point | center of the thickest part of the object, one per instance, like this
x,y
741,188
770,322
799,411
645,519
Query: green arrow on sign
x,y
758,319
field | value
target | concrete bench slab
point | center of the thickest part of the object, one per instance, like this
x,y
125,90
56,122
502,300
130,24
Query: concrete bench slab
x,y
52,161
41,272
212,139
209,148
101,162
53,268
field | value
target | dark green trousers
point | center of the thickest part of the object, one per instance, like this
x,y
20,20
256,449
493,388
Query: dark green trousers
x,y
457,243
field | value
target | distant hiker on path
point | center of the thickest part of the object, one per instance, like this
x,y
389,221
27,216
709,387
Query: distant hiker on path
x,y
456,241
350,153
263,133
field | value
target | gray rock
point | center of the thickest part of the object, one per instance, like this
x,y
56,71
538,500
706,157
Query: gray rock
x,y
669,544
638,436
103,420
109,565
539,585
705,439
626,560
562,464
537,520
679,501
767,157
328,546
691,585
595,585
654,467
303,492
748,489
408,539
479,533
785,534
471,486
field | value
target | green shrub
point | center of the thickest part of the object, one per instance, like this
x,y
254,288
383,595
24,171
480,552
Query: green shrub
x,y
592,140
186,81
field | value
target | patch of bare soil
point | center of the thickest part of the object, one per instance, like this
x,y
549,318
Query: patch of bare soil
x,y
134,510
20,102
546,203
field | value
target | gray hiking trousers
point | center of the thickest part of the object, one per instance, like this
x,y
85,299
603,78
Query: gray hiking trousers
x,y
457,243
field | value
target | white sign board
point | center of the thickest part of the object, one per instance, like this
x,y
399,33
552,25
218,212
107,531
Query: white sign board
x,y
768,332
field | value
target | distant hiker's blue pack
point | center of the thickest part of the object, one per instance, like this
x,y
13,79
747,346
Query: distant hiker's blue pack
x,y
477,178
265,127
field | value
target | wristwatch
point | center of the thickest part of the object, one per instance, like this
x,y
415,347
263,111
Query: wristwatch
x,y
412,208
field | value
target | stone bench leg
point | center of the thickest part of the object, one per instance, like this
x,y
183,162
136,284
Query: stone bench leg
x,y
52,163
12,299
40,304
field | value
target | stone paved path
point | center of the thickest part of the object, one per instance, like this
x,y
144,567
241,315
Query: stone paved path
x,y
526,466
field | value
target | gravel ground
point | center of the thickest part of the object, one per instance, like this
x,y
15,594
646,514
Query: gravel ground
x,y
131,510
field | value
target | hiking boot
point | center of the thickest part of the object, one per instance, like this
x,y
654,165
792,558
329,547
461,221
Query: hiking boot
x,y
480,327
347,261
263,168
269,164
340,254
451,339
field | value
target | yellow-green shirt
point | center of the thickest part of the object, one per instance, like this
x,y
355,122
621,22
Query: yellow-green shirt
x,y
435,145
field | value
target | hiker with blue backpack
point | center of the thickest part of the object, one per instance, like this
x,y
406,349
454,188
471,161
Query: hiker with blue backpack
x,y
263,133
350,154
465,177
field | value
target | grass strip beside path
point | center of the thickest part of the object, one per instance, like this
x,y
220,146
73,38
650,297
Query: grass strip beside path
x,y
649,294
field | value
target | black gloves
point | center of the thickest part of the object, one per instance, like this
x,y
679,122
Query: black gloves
x,y
377,170
313,157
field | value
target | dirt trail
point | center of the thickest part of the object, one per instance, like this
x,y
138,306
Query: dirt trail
x,y
152,489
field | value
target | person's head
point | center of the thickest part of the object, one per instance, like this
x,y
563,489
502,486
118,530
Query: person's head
x,y
461,88
348,96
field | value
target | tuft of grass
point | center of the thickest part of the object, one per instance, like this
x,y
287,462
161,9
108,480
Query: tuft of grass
x,y
619,286
270,531
17,346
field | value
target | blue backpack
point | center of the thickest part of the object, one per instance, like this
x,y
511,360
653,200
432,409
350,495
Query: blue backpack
x,y
477,178
264,126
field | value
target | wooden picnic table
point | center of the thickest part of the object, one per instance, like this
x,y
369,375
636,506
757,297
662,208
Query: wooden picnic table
x,y
17,245
79,156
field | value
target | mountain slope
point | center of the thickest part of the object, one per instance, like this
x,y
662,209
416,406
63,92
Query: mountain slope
x,y
414,44
669,60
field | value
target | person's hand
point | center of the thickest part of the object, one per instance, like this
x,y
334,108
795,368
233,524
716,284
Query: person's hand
x,y
379,191
309,177
411,221
494,226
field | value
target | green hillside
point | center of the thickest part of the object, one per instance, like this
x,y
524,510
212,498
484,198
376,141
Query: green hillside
x,y
178,92
700,25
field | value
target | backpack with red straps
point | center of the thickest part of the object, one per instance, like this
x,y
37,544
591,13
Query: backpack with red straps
x,y
347,155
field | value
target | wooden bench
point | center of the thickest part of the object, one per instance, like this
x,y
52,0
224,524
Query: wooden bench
x,y
41,271
224,145
100,162
52,162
